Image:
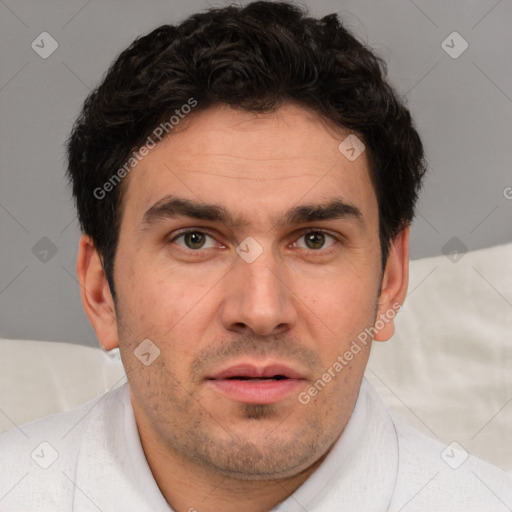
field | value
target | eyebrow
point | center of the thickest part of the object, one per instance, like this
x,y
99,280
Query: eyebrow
x,y
172,206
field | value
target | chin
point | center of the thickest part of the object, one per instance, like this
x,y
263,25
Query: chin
x,y
265,457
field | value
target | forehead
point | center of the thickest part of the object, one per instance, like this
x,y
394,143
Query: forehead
x,y
253,163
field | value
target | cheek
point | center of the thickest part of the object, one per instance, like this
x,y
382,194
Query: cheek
x,y
344,300
166,306
150,293
343,318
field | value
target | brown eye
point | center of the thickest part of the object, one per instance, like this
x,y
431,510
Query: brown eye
x,y
194,240
314,240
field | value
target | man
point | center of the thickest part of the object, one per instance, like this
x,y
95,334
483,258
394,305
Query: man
x,y
245,182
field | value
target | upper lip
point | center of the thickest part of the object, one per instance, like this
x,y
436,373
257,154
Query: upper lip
x,y
249,370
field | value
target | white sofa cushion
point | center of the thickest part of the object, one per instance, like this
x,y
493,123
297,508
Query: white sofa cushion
x,y
38,378
448,369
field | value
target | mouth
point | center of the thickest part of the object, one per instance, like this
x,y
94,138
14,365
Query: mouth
x,y
252,384
253,379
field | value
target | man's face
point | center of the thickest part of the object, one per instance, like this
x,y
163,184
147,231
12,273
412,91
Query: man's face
x,y
227,322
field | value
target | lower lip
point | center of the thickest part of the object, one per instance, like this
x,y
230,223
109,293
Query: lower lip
x,y
251,392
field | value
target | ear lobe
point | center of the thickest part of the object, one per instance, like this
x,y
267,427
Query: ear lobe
x,y
95,292
394,286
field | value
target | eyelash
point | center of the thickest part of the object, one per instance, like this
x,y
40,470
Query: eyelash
x,y
302,233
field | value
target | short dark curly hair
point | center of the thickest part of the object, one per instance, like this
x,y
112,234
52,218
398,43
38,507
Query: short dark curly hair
x,y
254,58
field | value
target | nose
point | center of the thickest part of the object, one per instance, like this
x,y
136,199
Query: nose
x,y
258,298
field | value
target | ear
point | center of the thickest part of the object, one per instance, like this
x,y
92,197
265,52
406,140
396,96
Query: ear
x,y
394,286
96,297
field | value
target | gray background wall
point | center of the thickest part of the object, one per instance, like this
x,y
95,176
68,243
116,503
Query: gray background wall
x,y
462,105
